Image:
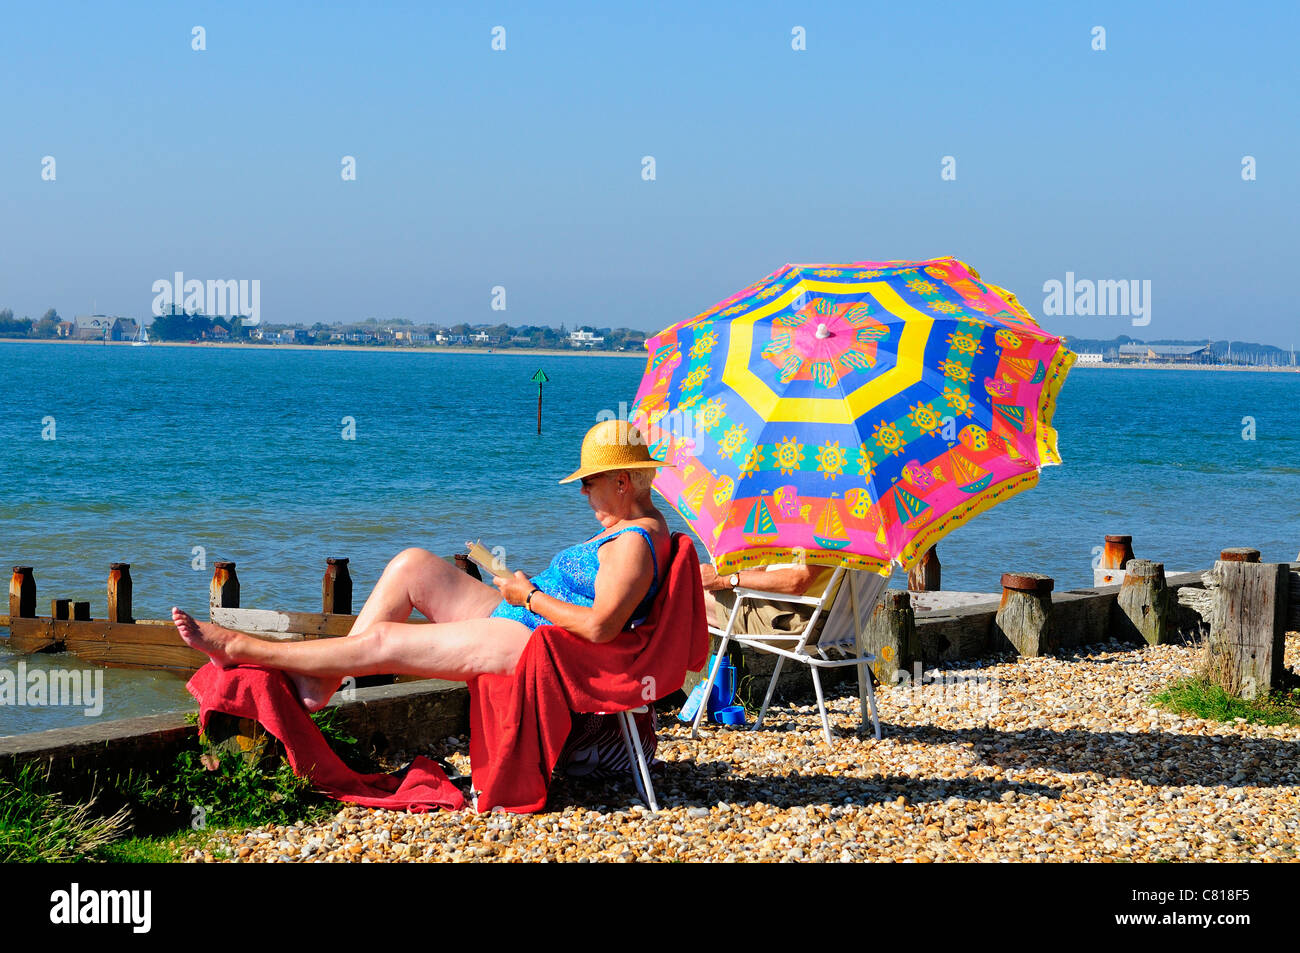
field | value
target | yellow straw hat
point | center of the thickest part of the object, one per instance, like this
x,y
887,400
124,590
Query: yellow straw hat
x,y
613,445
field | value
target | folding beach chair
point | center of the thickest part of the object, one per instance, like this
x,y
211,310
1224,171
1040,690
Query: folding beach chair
x,y
836,643
678,600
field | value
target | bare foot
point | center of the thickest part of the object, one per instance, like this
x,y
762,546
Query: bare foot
x,y
212,640
314,691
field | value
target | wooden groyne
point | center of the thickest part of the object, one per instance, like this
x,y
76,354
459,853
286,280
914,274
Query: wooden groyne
x,y
122,641
1139,603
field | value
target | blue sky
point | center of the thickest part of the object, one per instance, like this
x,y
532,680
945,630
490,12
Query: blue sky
x,y
523,168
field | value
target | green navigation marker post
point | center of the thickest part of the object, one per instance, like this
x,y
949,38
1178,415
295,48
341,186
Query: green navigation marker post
x,y
539,379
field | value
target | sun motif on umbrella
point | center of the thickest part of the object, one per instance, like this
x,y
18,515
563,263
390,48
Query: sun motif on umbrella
x,y
824,341
788,454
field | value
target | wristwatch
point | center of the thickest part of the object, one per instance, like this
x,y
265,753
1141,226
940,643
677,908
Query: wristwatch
x,y
733,580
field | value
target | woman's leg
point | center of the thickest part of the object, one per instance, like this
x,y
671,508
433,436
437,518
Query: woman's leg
x,y
413,579
417,579
456,650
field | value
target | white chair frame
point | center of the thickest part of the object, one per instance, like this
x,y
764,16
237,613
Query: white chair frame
x,y
795,646
635,754
640,770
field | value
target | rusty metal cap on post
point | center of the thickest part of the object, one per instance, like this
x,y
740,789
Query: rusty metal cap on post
x,y
1239,554
1027,582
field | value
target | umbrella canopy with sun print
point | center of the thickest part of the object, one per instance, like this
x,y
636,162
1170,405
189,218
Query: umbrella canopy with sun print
x,y
849,414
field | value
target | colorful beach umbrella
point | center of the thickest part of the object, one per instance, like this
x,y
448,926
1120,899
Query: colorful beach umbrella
x,y
849,414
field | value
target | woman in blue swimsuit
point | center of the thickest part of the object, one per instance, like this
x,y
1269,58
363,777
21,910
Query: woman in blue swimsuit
x,y
595,590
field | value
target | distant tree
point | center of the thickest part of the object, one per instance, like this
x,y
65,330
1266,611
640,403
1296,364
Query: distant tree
x,y
47,326
11,328
179,326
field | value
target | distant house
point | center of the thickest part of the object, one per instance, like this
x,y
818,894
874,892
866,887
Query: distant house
x,y
585,338
1165,353
67,329
1091,357
103,327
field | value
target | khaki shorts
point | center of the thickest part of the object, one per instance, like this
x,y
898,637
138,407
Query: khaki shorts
x,y
756,616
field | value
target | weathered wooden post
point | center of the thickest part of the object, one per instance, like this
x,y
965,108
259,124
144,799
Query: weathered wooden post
x,y
81,611
1144,609
890,635
336,586
22,593
119,592
1024,616
1115,555
223,592
925,575
1244,655
60,608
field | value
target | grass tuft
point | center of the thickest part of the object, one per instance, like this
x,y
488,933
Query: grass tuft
x,y
208,787
1200,697
36,826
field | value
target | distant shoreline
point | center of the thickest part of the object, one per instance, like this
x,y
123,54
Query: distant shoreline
x,y
557,352
234,345
1184,367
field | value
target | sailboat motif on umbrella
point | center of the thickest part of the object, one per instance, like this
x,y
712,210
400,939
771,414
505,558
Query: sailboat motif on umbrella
x,y
692,498
970,475
829,531
909,507
760,527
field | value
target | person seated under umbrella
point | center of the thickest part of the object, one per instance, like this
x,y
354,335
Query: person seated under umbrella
x,y
757,616
595,589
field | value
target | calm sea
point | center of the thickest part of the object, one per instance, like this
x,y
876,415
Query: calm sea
x,y
173,458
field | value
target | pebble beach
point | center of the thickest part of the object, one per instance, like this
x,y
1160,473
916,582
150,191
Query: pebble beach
x,y
1058,758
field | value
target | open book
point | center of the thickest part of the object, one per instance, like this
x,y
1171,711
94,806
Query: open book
x,y
491,564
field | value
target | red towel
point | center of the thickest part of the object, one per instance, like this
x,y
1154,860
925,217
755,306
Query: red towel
x,y
251,691
519,722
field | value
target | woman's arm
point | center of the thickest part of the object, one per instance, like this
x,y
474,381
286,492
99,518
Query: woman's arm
x,y
622,581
